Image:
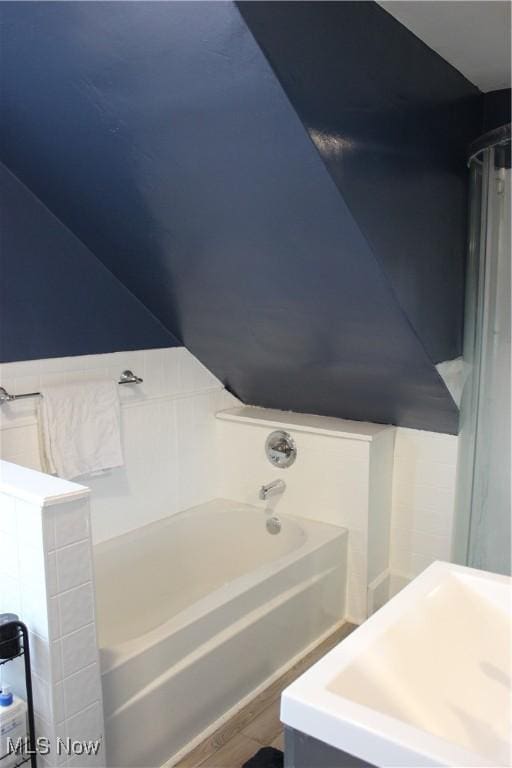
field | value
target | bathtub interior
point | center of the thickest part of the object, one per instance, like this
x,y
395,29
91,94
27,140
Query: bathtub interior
x,y
150,575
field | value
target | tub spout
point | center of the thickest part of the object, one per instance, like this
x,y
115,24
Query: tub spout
x,y
277,486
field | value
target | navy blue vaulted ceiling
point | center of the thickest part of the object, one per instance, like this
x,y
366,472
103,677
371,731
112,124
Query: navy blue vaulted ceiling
x,y
392,122
159,134
56,290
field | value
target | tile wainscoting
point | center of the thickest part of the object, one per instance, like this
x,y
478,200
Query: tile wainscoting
x,y
175,457
424,481
168,427
46,578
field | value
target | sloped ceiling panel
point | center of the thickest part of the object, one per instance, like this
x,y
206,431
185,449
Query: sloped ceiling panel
x,y
56,298
159,134
392,121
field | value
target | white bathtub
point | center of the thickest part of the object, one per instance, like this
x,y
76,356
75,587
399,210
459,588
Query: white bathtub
x,y
198,611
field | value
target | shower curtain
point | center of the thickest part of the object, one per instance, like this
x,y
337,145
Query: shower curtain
x,y
482,536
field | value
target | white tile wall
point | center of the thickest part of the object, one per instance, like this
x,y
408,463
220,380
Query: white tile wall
x,y
175,459
168,429
423,500
47,579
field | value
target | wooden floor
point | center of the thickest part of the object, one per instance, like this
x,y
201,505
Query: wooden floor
x,y
257,724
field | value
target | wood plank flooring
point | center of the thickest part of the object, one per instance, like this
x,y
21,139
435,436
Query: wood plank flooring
x,y
257,724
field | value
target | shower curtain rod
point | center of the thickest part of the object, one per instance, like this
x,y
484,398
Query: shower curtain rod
x,y
495,138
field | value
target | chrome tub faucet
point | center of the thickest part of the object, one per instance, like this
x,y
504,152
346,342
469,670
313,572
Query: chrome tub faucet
x,y
271,489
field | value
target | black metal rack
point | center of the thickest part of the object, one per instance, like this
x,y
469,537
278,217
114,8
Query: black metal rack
x,y
20,640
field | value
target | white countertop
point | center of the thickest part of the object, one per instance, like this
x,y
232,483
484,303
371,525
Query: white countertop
x,y
426,681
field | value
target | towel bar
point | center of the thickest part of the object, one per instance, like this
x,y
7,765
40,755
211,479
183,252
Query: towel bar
x,y
127,377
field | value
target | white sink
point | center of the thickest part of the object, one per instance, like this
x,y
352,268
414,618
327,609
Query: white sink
x,y
426,681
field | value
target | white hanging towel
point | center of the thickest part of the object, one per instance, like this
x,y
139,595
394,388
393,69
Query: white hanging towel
x,y
79,428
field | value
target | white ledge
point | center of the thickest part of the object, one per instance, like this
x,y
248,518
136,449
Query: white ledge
x,y
36,487
304,422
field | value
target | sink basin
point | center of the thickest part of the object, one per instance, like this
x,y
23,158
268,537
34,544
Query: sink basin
x,y
426,681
